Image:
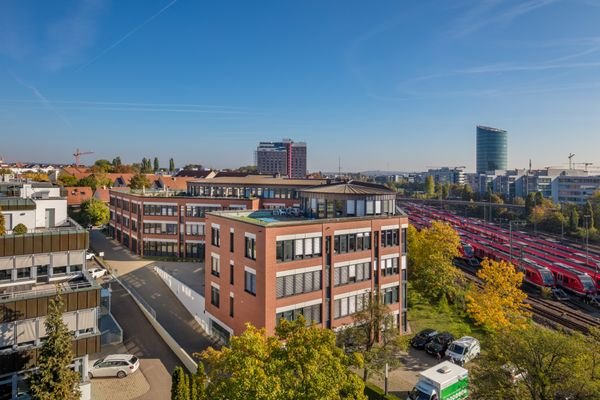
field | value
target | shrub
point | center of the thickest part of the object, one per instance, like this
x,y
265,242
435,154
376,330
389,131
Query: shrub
x,y
20,229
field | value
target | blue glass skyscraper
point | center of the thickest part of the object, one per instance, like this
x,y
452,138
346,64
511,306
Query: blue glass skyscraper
x,y
492,149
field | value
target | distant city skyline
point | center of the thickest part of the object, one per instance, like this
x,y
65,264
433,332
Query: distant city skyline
x,y
390,86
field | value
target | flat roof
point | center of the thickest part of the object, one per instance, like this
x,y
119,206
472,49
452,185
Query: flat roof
x,y
351,187
453,371
260,180
267,218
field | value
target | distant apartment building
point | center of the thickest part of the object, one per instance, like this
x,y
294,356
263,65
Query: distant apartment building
x,y
47,204
285,158
574,189
492,149
172,224
33,266
447,175
345,245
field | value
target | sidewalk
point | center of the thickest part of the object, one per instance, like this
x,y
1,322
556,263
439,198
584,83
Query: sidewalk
x,y
137,273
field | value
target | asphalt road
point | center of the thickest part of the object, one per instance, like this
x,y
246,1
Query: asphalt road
x,y
137,274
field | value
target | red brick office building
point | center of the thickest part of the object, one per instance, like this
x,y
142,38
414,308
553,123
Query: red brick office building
x,y
168,223
345,243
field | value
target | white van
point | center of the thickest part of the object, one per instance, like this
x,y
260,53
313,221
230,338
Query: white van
x,y
463,350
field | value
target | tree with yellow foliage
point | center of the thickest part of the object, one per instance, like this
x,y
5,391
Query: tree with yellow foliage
x,y
499,303
431,253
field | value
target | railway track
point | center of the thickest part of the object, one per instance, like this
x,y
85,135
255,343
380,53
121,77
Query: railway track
x,y
548,312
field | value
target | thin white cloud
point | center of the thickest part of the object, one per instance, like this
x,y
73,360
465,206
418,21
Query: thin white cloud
x,y
495,11
133,106
128,34
71,35
42,99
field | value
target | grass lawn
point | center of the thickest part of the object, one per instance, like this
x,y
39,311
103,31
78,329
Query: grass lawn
x,y
422,314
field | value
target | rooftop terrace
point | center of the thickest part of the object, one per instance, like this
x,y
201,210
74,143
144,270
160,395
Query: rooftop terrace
x,y
274,218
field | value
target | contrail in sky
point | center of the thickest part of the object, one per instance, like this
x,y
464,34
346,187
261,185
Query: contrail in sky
x,y
128,34
42,99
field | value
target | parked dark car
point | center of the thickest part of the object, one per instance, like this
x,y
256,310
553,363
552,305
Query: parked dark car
x,y
437,347
422,338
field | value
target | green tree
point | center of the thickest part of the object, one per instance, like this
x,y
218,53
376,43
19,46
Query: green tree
x,y
95,212
2,223
538,364
67,180
20,229
156,164
429,186
373,336
431,253
299,362
55,380
499,303
573,220
95,181
103,166
171,165
139,181
4,172
179,389
529,203
589,210
116,161
539,198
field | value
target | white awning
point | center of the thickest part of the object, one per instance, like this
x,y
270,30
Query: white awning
x,y
6,263
23,261
70,319
59,259
76,257
26,331
86,319
41,259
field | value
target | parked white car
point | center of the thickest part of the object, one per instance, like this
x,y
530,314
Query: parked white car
x,y
119,365
463,350
88,255
97,272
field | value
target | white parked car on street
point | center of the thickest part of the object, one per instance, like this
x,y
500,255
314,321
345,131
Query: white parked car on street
x,y
119,365
463,350
97,272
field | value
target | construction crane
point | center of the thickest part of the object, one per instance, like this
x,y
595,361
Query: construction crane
x,y
585,165
78,153
571,155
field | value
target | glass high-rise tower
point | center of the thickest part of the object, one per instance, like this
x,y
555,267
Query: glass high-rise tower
x,y
492,149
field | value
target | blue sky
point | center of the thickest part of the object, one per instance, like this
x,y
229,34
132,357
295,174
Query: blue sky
x,y
383,85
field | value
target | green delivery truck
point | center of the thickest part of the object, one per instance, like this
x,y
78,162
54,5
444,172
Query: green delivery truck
x,y
445,381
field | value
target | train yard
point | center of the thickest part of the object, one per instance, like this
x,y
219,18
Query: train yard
x,y
545,263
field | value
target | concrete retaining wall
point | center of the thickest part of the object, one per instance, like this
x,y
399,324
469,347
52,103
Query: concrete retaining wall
x,y
191,300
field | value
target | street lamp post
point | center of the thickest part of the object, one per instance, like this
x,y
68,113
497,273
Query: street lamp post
x,y
510,225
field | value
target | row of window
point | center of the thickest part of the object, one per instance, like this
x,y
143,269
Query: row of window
x,y
390,237
28,331
352,242
160,249
299,283
310,313
199,211
160,228
163,210
351,273
296,249
195,229
350,305
391,295
390,266
37,272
